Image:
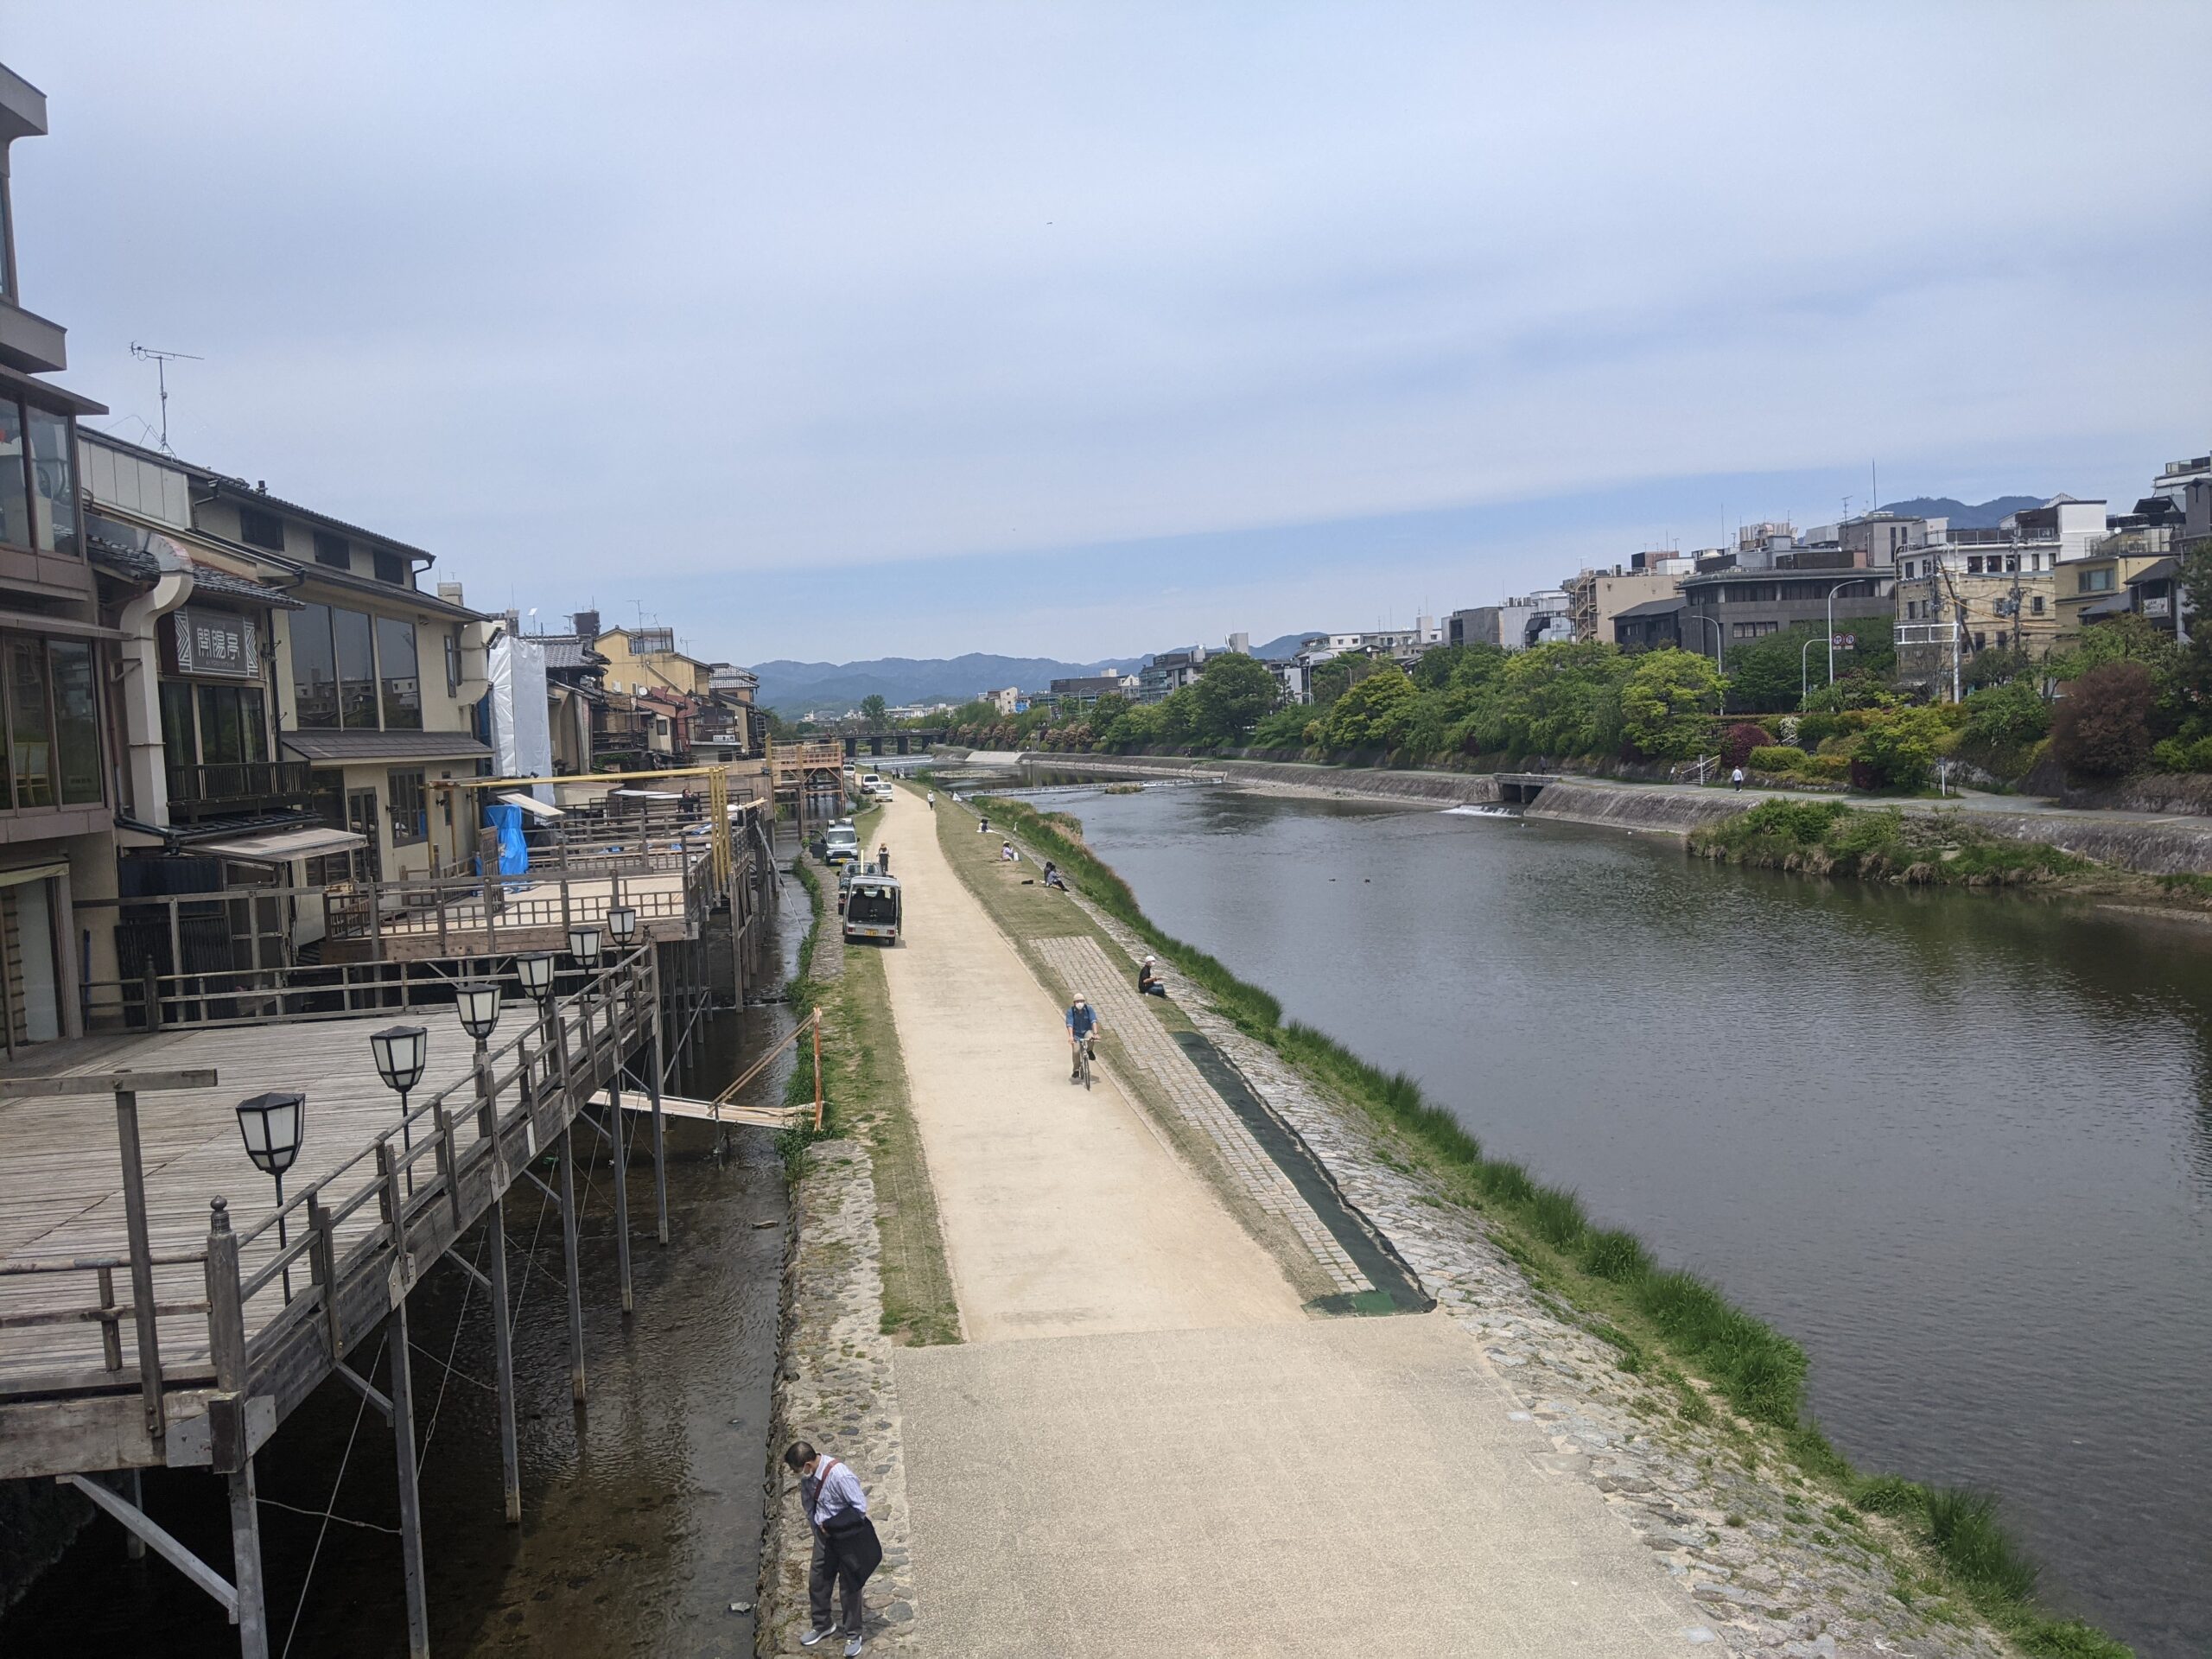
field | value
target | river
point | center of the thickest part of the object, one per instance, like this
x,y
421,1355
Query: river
x,y
1959,1145
641,1513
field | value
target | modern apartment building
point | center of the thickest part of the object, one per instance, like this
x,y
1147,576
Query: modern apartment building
x,y
1595,597
1962,591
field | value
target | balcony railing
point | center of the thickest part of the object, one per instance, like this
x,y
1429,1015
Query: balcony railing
x,y
236,789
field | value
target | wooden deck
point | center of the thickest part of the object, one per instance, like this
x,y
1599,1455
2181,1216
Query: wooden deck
x,y
71,1390
534,915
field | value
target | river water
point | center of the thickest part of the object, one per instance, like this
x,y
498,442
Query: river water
x,y
641,1513
1959,1145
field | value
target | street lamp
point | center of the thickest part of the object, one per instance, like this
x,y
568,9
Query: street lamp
x,y
272,1126
622,925
535,973
1833,592
477,1002
1805,671
401,1052
1719,649
583,944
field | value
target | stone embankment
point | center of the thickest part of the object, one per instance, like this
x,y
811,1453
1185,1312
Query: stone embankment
x,y
2149,845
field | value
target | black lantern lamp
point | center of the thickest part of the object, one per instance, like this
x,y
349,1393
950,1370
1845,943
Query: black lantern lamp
x,y
583,943
272,1126
622,925
477,1002
535,973
401,1053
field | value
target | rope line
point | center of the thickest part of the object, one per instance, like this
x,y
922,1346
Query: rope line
x,y
307,1580
342,1520
445,1365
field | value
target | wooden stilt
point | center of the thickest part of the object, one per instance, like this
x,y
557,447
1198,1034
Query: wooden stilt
x,y
568,1253
620,1147
252,1615
134,1546
504,1362
410,1496
654,1062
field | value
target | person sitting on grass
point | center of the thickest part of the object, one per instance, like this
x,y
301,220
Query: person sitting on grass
x,y
1149,980
1007,854
1052,876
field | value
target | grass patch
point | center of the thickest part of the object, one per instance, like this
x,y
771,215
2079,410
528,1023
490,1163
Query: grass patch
x,y
864,1094
1607,1273
1941,849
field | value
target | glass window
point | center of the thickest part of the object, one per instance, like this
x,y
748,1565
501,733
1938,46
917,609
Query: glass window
x,y
253,721
220,742
314,670
15,492
30,739
391,568
403,689
76,723
53,483
357,668
332,551
259,529
410,815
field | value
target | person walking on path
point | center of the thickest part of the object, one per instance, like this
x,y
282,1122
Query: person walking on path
x,y
883,858
846,1549
1736,778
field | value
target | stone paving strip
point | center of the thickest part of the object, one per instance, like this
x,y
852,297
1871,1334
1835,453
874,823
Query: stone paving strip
x,y
1080,963
836,1389
1753,1547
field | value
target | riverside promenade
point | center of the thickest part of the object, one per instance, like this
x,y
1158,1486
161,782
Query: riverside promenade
x,y
1149,1442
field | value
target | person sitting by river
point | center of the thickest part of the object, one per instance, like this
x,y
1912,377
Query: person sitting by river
x,y
1149,980
1052,876
1007,854
982,826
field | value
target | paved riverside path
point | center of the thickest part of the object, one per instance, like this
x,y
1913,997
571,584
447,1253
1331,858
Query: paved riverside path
x,y
1146,1447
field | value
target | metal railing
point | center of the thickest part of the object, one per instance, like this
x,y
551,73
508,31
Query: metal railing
x,y
231,788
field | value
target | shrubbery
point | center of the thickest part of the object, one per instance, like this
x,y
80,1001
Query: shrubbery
x,y
1737,742
1776,757
2102,728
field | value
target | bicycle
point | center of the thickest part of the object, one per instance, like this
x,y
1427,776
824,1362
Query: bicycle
x,y
1083,1057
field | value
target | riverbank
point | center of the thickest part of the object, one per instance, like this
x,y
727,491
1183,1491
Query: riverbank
x,y
1628,1354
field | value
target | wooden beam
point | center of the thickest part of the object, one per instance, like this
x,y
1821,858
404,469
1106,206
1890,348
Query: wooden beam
x,y
106,1082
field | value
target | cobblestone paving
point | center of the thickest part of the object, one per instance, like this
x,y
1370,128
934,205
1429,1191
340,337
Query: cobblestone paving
x,y
1755,1545
836,1389
1079,962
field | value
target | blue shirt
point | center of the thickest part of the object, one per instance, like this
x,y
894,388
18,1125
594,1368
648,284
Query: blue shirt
x,y
1083,1021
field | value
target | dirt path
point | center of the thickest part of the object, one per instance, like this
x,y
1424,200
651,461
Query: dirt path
x,y
1063,1212
1176,1461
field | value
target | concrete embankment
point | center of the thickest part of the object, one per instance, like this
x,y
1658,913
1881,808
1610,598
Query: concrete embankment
x,y
1374,783
1669,812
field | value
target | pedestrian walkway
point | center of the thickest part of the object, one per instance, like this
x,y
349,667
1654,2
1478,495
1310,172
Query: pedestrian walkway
x,y
1146,1447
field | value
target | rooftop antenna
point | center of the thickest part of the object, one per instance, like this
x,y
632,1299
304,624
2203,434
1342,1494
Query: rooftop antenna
x,y
1876,468
161,361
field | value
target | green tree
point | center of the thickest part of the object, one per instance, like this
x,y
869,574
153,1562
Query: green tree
x,y
1330,680
1434,668
1232,693
1283,730
1669,701
1897,748
876,711
2005,715
2101,728
1372,715
1766,676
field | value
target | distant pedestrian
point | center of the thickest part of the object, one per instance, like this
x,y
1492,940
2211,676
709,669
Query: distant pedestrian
x,y
846,1549
932,800
982,826
883,857
1736,778
1007,854
1052,876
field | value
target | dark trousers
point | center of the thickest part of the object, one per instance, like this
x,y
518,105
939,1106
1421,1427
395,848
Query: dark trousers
x,y
826,1570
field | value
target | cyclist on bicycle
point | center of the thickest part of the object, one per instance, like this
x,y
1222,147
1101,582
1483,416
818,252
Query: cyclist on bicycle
x,y
1082,1021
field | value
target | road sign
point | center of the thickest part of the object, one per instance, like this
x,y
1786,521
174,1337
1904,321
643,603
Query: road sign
x,y
1844,641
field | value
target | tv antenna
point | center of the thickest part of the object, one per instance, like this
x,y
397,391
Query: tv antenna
x,y
161,361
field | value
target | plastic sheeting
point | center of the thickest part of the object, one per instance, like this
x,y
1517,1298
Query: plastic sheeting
x,y
521,731
514,851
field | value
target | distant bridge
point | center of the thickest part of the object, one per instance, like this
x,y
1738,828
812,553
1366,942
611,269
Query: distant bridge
x,y
904,742
1520,788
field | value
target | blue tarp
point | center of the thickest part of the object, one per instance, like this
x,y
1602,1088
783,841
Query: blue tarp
x,y
514,853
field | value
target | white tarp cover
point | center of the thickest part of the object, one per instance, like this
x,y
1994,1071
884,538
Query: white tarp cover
x,y
522,734
535,809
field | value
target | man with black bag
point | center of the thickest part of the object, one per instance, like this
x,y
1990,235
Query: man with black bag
x,y
846,1549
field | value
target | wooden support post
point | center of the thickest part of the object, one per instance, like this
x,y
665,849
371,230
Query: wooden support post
x,y
817,1023
620,1147
504,1362
448,1160
134,1547
411,1495
141,1260
230,1446
568,1253
655,1061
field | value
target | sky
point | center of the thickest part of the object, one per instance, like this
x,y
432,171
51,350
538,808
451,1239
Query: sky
x,y
834,331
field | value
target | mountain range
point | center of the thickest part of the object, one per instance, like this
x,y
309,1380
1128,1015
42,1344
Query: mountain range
x,y
792,688
1986,515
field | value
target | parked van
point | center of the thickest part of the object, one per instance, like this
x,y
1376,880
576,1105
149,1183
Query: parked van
x,y
841,844
872,909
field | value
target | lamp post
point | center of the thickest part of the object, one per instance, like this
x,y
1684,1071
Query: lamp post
x,y
401,1052
622,925
1719,649
1805,671
272,1126
535,973
583,944
1833,592
477,1002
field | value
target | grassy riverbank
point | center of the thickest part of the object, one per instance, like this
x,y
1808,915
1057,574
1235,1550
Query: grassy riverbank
x,y
1882,843
864,1088
1719,1361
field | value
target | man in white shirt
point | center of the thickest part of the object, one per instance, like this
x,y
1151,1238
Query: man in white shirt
x,y
830,1494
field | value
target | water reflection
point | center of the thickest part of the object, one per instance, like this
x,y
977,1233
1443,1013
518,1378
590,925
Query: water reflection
x,y
1959,1144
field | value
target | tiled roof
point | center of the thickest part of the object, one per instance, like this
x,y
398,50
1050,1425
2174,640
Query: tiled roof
x,y
139,564
340,747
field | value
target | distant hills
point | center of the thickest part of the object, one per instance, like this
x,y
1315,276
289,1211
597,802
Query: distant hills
x,y
791,688
1986,515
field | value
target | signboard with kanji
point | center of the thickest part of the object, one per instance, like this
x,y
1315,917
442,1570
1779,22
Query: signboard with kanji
x,y
216,644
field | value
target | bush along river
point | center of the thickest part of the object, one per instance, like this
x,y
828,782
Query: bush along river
x,y
642,1512
1958,1144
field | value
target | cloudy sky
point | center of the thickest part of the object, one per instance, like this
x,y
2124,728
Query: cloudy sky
x,y
832,331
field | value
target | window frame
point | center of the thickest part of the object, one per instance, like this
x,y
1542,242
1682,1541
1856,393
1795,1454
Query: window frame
x,y
43,647
250,518
415,812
